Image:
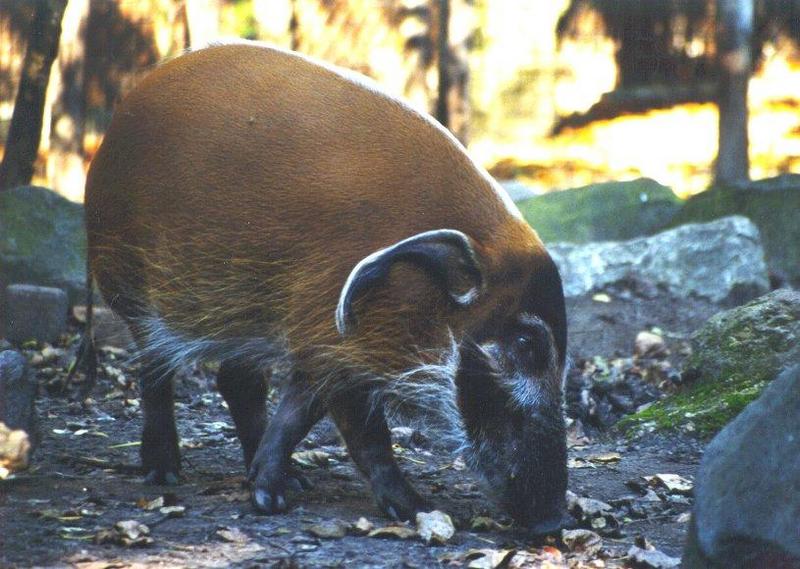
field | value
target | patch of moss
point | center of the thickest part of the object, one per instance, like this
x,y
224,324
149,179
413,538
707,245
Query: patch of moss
x,y
701,410
735,356
611,211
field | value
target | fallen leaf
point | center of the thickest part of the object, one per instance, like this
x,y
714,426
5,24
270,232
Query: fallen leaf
x,y
582,541
605,457
128,533
393,532
673,483
312,458
489,558
435,527
484,523
578,462
232,535
150,505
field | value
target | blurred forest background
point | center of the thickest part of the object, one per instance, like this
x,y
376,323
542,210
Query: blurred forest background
x,y
555,93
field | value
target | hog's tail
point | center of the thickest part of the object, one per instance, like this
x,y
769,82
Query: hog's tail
x,y
87,352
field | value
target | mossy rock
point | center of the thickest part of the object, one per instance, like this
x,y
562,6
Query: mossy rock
x,y
772,204
42,240
734,356
611,211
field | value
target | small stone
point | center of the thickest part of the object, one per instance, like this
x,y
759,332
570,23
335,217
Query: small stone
x,y
435,528
590,508
35,313
649,345
173,511
362,527
650,496
651,558
331,529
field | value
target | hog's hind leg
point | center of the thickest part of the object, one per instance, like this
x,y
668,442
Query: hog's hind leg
x,y
244,388
159,450
271,472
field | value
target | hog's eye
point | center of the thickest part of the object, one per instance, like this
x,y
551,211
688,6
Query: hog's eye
x,y
524,341
532,346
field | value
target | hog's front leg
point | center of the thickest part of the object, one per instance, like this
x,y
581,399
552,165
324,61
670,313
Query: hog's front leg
x,y
368,440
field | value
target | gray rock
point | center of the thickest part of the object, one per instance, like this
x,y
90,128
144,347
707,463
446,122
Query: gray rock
x,y
747,505
752,343
772,204
721,261
35,313
611,211
42,240
17,394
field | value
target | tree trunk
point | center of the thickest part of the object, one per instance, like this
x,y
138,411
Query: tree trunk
x,y
443,60
734,35
65,168
24,133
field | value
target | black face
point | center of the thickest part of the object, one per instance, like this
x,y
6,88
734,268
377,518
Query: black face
x,y
510,395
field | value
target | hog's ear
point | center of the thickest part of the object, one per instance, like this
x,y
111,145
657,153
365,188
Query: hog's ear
x,y
446,255
481,400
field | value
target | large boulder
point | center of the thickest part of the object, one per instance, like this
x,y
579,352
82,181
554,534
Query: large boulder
x,y
747,491
772,204
35,313
721,261
734,356
42,240
610,211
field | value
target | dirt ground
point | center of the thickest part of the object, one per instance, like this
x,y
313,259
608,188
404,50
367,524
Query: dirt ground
x,y
85,479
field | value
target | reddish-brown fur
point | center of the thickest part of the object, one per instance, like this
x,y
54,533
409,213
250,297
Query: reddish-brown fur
x,y
237,186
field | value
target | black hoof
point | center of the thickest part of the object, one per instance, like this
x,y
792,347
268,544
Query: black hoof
x,y
267,502
402,506
161,478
